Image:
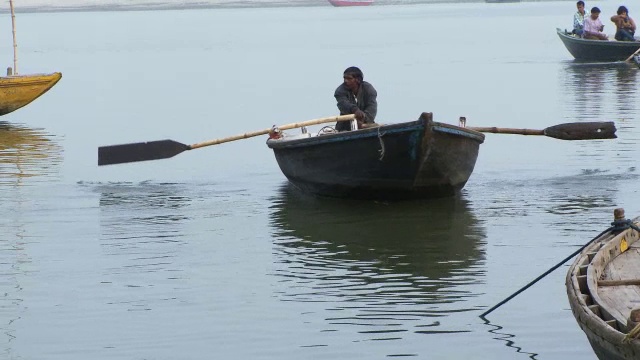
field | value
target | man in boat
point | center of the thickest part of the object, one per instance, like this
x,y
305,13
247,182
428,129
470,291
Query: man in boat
x,y
356,96
593,26
625,26
578,19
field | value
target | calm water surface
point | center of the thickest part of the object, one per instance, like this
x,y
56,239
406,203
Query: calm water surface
x,y
212,255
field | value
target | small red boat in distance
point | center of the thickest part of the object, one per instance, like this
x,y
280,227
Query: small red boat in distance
x,y
350,2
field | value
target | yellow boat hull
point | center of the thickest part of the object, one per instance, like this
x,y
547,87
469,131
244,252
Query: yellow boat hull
x,y
19,90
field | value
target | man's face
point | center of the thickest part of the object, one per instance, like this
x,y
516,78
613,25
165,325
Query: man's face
x,y
350,81
581,8
594,15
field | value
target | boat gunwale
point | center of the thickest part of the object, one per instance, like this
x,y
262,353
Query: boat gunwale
x,y
597,43
374,132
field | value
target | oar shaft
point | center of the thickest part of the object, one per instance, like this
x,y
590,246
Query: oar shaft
x,y
497,130
266,131
632,55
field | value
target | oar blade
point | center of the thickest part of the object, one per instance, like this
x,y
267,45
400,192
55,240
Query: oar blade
x,y
143,151
582,131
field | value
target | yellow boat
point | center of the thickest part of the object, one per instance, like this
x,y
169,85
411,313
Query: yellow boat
x,y
19,90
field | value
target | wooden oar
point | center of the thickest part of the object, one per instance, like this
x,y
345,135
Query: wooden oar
x,y
632,55
568,131
163,149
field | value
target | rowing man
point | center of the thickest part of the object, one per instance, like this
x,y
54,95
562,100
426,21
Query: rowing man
x,y
356,96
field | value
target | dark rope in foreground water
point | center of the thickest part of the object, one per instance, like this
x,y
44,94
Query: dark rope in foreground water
x,y
616,226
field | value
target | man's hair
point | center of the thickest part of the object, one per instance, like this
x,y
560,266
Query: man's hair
x,y
622,9
580,3
355,72
595,10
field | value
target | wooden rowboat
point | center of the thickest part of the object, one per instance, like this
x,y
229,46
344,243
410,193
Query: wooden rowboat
x,y
19,90
597,50
603,287
417,159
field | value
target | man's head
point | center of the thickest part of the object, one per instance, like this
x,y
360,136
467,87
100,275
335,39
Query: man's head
x,y
595,12
580,6
623,10
352,77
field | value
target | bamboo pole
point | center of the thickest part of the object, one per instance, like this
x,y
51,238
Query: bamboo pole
x,y
15,44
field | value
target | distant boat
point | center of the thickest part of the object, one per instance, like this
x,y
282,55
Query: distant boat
x,y
602,287
597,50
351,2
17,90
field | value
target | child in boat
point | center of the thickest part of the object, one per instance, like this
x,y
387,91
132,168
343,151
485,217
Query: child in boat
x,y
593,26
625,26
578,19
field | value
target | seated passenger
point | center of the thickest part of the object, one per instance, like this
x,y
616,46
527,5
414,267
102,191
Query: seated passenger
x,y
578,19
593,26
625,26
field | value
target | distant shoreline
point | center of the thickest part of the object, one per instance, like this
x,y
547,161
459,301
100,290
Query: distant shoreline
x,y
50,6
156,6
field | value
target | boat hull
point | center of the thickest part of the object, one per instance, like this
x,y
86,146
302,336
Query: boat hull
x,y
597,50
419,159
604,325
340,3
20,90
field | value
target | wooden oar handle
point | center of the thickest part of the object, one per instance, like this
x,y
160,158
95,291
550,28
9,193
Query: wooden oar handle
x,y
496,130
266,131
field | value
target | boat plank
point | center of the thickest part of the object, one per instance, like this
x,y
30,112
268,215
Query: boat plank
x,y
621,299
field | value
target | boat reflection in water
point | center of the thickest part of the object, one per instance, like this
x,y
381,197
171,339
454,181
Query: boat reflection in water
x,y
392,267
596,90
26,152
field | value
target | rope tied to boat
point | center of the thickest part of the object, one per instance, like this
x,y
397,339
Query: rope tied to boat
x,y
633,334
381,151
619,224
623,224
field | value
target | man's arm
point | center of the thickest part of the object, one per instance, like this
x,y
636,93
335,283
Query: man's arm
x,y
578,23
633,24
371,105
344,103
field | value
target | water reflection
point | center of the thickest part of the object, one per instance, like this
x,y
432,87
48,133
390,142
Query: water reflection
x,y
26,152
386,268
142,232
595,91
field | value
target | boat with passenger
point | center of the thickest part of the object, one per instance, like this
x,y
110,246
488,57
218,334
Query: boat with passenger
x,y
597,50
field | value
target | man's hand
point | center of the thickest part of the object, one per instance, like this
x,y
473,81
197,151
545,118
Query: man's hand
x,y
360,115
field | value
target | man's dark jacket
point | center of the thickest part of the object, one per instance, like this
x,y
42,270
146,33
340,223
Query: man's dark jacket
x,y
349,103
